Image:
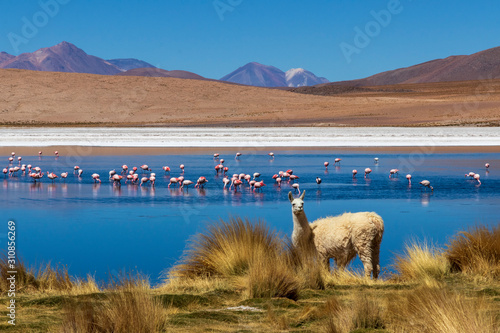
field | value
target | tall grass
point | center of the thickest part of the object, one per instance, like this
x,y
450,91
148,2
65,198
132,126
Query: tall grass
x,y
127,310
436,310
421,263
257,260
476,251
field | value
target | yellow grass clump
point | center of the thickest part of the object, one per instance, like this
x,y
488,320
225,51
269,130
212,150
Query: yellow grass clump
x,y
422,263
476,252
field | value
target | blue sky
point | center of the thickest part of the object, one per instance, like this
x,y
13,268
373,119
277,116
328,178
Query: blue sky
x,y
212,38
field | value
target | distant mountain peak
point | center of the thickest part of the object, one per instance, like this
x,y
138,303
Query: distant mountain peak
x,y
257,74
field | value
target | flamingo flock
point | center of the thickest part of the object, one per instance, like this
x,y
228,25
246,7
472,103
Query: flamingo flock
x,y
236,182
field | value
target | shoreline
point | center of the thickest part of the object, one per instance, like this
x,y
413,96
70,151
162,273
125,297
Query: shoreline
x,y
48,151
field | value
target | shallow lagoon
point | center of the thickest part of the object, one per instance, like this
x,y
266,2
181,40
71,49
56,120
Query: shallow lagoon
x,y
102,229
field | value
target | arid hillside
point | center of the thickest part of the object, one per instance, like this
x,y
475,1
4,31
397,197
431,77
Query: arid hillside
x,y
64,99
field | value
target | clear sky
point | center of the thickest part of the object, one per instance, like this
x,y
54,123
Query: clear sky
x,y
213,38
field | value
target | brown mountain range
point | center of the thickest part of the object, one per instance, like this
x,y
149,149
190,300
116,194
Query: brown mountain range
x,y
478,66
158,72
66,99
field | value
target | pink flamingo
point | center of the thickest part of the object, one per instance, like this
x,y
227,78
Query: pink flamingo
x,y
293,177
487,165
117,179
367,171
226,181
144,180
145,168
238,154
221,161
80,171
182,167
318,180
408,176
64,175
173,180
40,153
393,172
19,159
427,183
152,180
186,183
296,187
112,173
166,169
236,183
56,153
36,176
124,169
289,171
326,164
354,173
226,169
476,177
13,154
135,178
96,177
201,182
75,169
11,159
5,170
278,181
337,160
51,176
216,156
258,185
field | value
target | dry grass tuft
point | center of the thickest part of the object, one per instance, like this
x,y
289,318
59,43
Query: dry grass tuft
x,y
436,310
254,259
132,310
476,251
421,263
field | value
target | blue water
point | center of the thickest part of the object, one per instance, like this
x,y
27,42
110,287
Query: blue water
x,y
102,229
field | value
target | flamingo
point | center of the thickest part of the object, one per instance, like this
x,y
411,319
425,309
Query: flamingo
x,y
337,160
293,177
367,171
124,169
326,164
95,177
238,154
375,160
145,168
354,173
408,176
64,175
186,183
226,169
36,176
180,179
135,178
11,159
117,179
216,156
470,174
487,165
201,182
271,154
289,171
80,171
236,183
182,167
427,183
112,173
258,185
296,187
40,153
144,180
19,159
226,181
318,180
129,177
56,153
166,169
278,181
173,180
37,169
51,176
256,175
134,169
221,161
152,180
13,154
476,177
393,172
23,169
217,168
75,169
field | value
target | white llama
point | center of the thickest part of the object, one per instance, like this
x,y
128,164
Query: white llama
x,y
340,237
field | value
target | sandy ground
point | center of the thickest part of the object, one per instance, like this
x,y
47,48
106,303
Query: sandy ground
x,y
69,99
119,151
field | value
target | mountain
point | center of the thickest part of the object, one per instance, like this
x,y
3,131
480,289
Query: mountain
x,y
63,57
299,77
4,56
157,72
255,74
477,66
129,63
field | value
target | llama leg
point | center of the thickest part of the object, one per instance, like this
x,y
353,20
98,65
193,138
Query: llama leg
x,y
366,259
375,260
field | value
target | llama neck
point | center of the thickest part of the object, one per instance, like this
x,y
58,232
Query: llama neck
x,y
301,228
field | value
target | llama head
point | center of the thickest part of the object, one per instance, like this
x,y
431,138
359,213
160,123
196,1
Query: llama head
x,y
297,203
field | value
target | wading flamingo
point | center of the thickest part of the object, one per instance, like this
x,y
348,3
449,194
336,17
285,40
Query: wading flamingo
x,y
296,187
96,177
476,177
354,173
337,160
408,176
318,180
427,183
326,164
367,171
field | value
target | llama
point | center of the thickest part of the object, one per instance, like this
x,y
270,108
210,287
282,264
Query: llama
x,y
340,237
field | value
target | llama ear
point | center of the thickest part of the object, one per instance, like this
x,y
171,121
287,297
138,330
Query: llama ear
x,y
302,195
290,196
